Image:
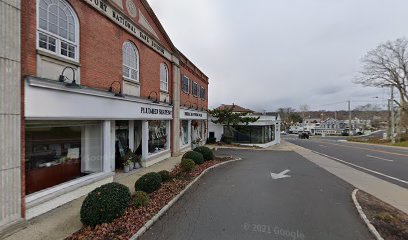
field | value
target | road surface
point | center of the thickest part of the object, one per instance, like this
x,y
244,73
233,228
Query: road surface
x,y
387,163
241,200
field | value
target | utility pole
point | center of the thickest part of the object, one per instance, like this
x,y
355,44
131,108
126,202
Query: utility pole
x,y
392,120
349,109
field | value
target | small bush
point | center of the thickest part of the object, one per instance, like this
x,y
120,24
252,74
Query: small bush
x,y
195,156
165,175
187,165
141,199
207,153
149,182
104,204
211,140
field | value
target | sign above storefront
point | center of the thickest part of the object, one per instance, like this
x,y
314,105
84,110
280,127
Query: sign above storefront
x,y
191,114
49,101
122,21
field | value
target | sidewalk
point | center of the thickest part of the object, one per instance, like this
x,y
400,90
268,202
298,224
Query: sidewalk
x,y
65,220
387,192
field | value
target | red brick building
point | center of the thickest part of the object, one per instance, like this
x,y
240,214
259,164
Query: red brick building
x,y
99,78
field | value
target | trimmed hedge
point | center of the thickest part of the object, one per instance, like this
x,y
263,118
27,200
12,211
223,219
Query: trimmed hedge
x,y
195,156
207,153
187,165
104,204
149,182
165,175
141,199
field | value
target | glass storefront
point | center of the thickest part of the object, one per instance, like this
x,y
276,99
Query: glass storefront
x,y
252,134
121,142
184,132
158,140
59,151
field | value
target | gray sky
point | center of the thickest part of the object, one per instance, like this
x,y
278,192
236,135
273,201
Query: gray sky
x,y
265,54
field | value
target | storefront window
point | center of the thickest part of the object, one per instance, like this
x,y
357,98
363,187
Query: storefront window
x,y
59,151
158,132
195,131
184,132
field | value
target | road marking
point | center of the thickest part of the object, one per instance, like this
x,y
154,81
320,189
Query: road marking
x,y
357,166
368,149
388,160
322,146
280,175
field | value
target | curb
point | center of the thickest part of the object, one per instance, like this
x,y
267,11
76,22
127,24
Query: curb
x,y
156,217
379,145
364,217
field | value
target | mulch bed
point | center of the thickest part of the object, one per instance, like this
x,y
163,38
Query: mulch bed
x,y
391,223
135,218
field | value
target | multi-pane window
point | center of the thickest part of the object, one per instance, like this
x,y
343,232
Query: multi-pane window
x,y
185,84
164,77
202,92
130,68
195,89
57,28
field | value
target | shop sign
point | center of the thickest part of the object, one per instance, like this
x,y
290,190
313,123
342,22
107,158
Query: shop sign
x,y
188,114
122,21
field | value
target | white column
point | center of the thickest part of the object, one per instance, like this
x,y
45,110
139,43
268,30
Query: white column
x,y
132,135
189,132
145,140
176,108
107,147
168,135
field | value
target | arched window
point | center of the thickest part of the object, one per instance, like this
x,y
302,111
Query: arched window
x,y
57,28
130,62
164,77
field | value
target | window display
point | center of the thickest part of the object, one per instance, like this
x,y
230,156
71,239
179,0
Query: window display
x,y
184,132
158,132
59,151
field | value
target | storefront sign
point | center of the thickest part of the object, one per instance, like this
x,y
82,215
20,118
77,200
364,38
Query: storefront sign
x,y
122,21
190,114
155,111
45,102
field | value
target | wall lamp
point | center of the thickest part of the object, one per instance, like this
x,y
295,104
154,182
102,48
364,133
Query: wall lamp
x,y
119,94
150,96
170,102
62,77
196,106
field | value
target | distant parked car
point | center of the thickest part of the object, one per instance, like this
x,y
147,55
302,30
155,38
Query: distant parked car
x,y
303,135
284,133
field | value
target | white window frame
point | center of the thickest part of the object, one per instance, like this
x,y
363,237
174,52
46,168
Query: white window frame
x,y
192,89
131,67
188,81
164,82
58,38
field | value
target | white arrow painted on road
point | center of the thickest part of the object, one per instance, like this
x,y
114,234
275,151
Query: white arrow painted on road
x,y
280,175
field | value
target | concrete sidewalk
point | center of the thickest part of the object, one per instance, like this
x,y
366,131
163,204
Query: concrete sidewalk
x,y
388,192
65,220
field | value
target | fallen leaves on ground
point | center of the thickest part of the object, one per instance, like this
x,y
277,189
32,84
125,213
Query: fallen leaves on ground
x,y
135,218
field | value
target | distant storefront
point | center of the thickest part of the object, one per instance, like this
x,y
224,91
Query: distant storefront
x,y
193,128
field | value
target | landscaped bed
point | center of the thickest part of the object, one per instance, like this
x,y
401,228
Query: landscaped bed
x,y
391,223
134,218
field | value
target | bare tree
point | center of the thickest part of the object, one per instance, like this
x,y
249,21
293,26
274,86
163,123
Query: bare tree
x,y
387,65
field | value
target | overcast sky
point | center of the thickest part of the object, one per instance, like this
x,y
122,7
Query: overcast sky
x,y
265,54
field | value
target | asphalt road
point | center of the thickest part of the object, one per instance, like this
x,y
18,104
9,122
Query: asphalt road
x,y
240,200
387,163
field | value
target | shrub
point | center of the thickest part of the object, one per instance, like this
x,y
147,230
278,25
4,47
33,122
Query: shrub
x,y
225,139
187,165
195,156
207,153
165,175
104,204
149,182
211,140
141,199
